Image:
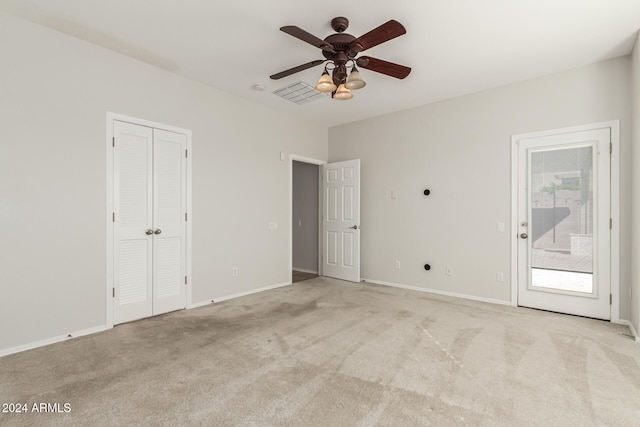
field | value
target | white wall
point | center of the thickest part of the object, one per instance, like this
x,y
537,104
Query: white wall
x,y
305,216
460,150
635,252
54,94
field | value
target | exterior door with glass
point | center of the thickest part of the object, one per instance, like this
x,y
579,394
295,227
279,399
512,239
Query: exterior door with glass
x,y
564,241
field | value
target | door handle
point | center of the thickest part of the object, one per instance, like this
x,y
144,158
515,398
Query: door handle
x,y
524,235
148,232
355,227
157,231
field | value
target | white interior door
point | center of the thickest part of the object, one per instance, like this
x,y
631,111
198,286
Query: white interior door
x,y
133,214
341,220
564,241
149,221
169,221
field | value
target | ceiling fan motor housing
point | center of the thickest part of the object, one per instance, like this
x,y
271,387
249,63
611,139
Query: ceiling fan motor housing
x,y
341,43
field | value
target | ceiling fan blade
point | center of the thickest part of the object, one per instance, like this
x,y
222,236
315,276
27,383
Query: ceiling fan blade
x,y
385,32
383,67
297,69
301,34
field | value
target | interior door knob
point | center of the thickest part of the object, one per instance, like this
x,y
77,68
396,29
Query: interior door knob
x,y
524,235
157,231
355,227
148,232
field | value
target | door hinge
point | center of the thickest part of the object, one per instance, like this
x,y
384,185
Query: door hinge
x,y
610,147
185,153
113,292
185,216
113,141
113,217
185,280
610,223
610,299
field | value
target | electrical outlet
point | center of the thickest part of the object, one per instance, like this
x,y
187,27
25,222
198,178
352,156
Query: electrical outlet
x,y
394,194
500,276
397,264
273,226
449,270
234,271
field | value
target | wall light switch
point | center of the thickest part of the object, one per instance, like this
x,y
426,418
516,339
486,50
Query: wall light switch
x,y
299,223
500,276
449,270
234,271
500,227
397,264
282,156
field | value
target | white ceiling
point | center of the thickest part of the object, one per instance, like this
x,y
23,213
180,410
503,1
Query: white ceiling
x,y
454,47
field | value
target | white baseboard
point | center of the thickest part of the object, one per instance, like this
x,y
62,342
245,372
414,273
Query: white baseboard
x,y
52,340
434,291
304,270
253,291
634,332
628,324
200,304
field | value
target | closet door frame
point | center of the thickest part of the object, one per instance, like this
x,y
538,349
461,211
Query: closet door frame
x,y
110,284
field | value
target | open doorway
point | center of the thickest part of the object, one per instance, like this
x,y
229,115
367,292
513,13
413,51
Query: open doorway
x,y
304,221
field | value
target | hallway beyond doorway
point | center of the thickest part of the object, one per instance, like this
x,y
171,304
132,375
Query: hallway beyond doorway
x,y
299,276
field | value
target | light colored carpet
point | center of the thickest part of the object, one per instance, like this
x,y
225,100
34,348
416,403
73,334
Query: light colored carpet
x,y
330,353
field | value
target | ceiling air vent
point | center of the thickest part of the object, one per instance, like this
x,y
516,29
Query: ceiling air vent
x,y
300,93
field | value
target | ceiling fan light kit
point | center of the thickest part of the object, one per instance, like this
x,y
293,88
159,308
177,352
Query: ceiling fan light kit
x,y
342,93
340,51
355,81
325,84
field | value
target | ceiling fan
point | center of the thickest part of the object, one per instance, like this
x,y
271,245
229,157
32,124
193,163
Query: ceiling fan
x,y
340,50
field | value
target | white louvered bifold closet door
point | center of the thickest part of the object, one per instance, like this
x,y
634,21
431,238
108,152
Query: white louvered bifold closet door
x,y
169,208
149,221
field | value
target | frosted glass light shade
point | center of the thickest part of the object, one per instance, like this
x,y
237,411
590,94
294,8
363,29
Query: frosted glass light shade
x,y
325,84
342,93
355,81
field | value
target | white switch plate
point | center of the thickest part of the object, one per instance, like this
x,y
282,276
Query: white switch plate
x,y
500,276
449,270
299,223
282,156
234,271
397,264
273,226
500,227
394,194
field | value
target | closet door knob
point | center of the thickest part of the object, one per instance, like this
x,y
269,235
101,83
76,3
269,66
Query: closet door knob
x,y
148,232
524,236
158,231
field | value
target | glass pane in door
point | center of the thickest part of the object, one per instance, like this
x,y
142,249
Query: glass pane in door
x,y
561,229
